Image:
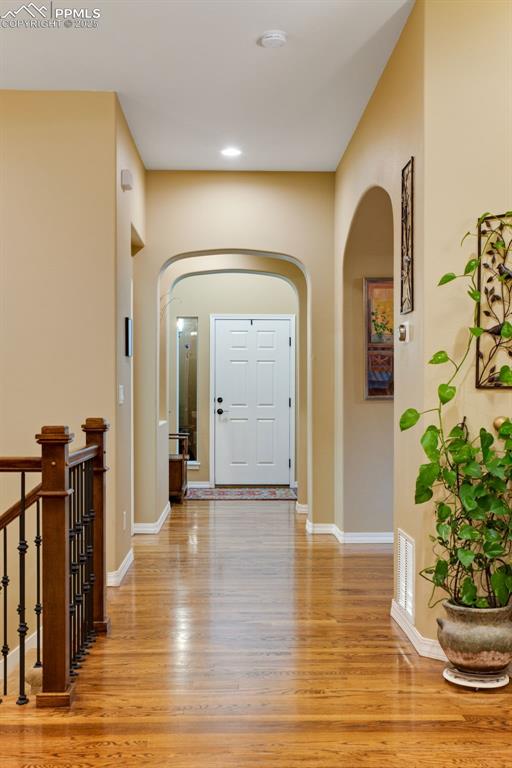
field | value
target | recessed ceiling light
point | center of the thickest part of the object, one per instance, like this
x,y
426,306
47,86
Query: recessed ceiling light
x,y
273,38
231,152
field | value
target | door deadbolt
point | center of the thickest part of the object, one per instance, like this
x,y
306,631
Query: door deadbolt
x,y
220,399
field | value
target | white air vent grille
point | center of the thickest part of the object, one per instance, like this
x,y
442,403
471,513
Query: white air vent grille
x,y
405,573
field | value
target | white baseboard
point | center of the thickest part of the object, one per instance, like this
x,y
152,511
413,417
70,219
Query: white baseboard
x,y
114,578
153,527
349,537
200,484
423,645
302,509
363,537
322,528
13,658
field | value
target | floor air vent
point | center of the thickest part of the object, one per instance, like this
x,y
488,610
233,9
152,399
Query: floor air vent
x,y
405,573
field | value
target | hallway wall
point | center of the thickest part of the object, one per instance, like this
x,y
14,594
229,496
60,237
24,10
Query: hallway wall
x,y
65,256
389,133
426,104
200,296
272,213
130,233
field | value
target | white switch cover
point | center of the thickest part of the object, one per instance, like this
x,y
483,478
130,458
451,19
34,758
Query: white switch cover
x,y
121,394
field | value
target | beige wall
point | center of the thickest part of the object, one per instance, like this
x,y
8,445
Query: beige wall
x,y
201,296
390,131
57,244
468,170
367,424
57,277
130,232
269,213
65,253
425,105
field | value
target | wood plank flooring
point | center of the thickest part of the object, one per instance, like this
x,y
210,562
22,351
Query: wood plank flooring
x,y
241,642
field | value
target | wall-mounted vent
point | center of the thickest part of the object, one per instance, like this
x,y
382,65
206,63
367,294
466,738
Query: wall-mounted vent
x,y
405,573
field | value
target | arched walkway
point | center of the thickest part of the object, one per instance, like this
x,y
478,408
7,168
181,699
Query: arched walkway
x,y
151,425
246,264
367,489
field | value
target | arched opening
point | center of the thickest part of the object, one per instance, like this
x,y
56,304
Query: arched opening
x,y
368,370
193,300
152,413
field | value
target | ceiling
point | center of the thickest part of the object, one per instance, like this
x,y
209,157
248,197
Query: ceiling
x,y
192,80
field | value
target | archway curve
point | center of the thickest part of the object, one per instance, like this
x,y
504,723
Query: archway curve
x,y
235,252
234,272
367,425
151,418
288,274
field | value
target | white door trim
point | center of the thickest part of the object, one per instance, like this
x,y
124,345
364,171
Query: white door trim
x,y
293,375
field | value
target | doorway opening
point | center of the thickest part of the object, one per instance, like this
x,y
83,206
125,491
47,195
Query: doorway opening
x,y
233,378
368,371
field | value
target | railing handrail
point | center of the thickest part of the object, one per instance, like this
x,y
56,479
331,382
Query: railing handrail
x,y
20,464
14,511
70,557
82,454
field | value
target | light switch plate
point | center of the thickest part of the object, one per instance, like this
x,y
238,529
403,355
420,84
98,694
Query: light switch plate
x,y
404,332
121,394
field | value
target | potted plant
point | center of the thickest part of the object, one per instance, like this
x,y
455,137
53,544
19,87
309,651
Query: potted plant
x,y
468,479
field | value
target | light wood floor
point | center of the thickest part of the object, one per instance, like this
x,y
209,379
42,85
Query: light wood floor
x,y
240,642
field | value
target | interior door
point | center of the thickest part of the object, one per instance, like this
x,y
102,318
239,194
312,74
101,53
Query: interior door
x,y
252,401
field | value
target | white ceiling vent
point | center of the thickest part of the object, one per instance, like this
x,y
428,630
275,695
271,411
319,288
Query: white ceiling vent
x,y
405,573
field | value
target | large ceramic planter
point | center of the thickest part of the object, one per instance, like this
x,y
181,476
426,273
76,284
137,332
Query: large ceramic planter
x,y
477,640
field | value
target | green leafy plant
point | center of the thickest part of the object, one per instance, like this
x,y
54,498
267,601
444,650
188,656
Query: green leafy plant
x,y
469,479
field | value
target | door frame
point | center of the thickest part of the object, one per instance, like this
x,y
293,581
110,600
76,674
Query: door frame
x,y
293,376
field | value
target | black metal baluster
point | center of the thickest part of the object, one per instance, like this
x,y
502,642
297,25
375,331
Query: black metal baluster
x,y
87,561
90,550
22,626
80,561
72,575
38,607
86,586
5,584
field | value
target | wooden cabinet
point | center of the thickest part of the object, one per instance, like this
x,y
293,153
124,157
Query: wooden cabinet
x,y
178,468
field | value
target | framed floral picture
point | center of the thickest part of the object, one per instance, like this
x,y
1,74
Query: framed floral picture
x,y
378,323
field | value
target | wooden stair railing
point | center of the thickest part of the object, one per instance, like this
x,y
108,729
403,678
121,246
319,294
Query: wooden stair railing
x,y
70,558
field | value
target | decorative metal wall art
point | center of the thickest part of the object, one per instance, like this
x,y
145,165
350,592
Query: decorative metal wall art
x,y
407,247
494,345
378,306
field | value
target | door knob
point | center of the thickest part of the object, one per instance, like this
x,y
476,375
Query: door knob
x,y
220,411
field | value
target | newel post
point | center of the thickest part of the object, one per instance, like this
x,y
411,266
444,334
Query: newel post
x,y
95,434
57,690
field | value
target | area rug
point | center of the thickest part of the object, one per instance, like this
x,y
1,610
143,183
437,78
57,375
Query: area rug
x,y
241,493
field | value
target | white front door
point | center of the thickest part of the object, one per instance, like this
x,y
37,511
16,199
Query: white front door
x,y
252,401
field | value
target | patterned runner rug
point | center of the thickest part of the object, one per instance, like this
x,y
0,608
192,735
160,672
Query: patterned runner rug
x,y
241,493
